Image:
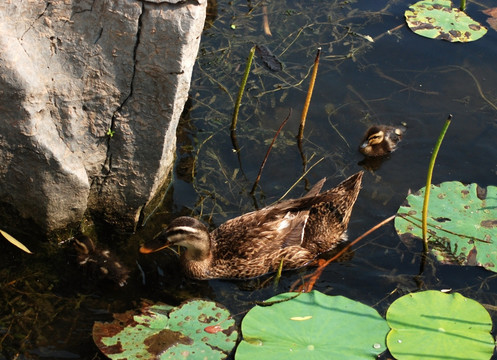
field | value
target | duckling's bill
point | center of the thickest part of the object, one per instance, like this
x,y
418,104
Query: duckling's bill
x,y
364,145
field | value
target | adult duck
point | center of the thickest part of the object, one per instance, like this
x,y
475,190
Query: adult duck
x,y
291,232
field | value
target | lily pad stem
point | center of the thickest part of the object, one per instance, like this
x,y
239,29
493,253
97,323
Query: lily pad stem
x,y
424,223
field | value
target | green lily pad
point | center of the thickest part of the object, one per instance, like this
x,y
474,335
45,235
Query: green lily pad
x,y
462,223
196,329
437,19
312,326
435,325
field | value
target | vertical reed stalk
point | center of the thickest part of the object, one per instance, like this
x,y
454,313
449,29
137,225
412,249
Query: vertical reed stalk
x,y
265,21
463,5
424,221
242,88
309,96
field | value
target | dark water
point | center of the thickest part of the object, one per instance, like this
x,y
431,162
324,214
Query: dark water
x,y
49,306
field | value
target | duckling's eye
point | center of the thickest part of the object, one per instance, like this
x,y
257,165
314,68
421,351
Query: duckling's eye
x,y
376,138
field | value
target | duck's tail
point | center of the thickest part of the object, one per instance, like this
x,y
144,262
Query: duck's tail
x,y
328,220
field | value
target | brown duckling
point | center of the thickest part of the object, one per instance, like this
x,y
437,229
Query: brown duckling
x,y
293,232
380,140
99,262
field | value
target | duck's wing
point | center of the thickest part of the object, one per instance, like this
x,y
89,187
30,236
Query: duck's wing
x,y
282,225
266,230
258,233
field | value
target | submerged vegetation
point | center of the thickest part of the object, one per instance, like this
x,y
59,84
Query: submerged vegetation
x,y
296,32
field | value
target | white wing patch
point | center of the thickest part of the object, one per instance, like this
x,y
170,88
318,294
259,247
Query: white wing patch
x,y
286,221
283,225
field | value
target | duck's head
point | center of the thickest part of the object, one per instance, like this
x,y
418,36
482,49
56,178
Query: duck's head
x,y
183,231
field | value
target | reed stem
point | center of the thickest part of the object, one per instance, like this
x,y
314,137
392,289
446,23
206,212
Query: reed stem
x,y
463,5
424,220
309,96
242,88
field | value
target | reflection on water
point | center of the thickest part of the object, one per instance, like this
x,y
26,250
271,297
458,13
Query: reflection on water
x,y
48,307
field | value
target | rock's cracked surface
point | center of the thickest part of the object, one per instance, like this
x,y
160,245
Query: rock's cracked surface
x,y
90,96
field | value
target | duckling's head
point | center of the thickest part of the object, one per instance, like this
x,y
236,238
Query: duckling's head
x,y
374,136
380,140
184,231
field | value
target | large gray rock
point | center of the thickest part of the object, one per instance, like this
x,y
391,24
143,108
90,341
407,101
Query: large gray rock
x,y
90,97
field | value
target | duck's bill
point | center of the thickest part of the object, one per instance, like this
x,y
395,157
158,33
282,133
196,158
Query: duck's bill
x,y
153,246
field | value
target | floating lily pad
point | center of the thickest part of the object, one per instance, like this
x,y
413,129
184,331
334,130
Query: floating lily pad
x,y
435,325
437,19
196,329
312,326
462,223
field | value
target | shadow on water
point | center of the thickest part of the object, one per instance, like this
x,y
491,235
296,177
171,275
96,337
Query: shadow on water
x,y
48,305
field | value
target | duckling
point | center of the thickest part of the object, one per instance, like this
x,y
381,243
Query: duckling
x,y
293,232
380,140
99,262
